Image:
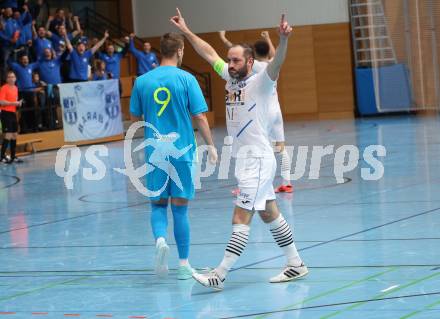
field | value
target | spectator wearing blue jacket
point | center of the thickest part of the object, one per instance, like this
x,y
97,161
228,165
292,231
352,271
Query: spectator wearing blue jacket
x,y
112,60
26,87
24,21
80,58
57,38
54,22
40,41
146,60
99,73
9,35
23,70
49,66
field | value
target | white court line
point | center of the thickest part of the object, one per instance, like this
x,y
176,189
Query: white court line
x,y
390,288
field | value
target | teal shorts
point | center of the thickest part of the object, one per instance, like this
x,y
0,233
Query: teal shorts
x,y
166,178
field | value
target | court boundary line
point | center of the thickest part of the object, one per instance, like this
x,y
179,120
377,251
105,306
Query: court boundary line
x,y
434,293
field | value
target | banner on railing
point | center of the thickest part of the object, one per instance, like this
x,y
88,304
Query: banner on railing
x,y
91,110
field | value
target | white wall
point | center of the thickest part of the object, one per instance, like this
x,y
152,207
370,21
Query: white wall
x,y
151,17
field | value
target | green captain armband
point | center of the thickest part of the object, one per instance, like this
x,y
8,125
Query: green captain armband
x,y
218,66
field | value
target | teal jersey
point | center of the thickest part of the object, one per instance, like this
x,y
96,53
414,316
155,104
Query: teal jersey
x,y
167,97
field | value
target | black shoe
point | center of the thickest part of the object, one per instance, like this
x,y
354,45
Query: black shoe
x,y
4,160
15,160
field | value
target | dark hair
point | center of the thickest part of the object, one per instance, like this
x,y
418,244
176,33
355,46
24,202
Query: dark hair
x,y
4,77
248,51
99,64
170,43
261,48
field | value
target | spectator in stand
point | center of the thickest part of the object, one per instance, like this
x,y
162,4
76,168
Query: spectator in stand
x,y
35,8
24,71
54,22
99,73
8,38
57,38
146,60
8,107
24,21
40,41
80,58
22,18
113,59
49,67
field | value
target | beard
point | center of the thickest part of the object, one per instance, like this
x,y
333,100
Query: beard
x,y
238,74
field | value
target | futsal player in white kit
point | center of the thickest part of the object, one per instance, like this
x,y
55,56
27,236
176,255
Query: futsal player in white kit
x,y
247,102
264,52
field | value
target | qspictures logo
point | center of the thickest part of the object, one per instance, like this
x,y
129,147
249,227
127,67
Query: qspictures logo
x,y
163,152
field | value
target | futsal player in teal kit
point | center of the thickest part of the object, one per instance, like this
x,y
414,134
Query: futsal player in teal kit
x,y
169,98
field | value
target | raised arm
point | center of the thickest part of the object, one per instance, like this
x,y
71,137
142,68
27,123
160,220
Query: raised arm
x,y
228,44
49,20
126,45
273,69
25,17
206,51
131,48
69,21
34,31
265,35
100,43
68,43
77,29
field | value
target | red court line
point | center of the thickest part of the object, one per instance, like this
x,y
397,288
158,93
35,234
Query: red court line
x,y
138,317
8,313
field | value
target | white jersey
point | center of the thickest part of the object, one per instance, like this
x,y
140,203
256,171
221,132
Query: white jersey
x,y
276,132
247,105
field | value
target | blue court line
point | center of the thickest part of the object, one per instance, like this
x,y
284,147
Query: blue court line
x,y
16,178
342,237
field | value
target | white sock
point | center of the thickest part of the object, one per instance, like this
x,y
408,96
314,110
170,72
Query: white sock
x,y
286,164
160,241
236,245
282,234
183,262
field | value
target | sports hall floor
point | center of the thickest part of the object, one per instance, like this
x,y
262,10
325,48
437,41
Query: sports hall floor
x,y
373,248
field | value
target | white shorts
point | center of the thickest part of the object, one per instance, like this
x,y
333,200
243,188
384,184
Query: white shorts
x,y
276,130
255,180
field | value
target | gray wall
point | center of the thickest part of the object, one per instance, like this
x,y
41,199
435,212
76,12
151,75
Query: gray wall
x,y
151,17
